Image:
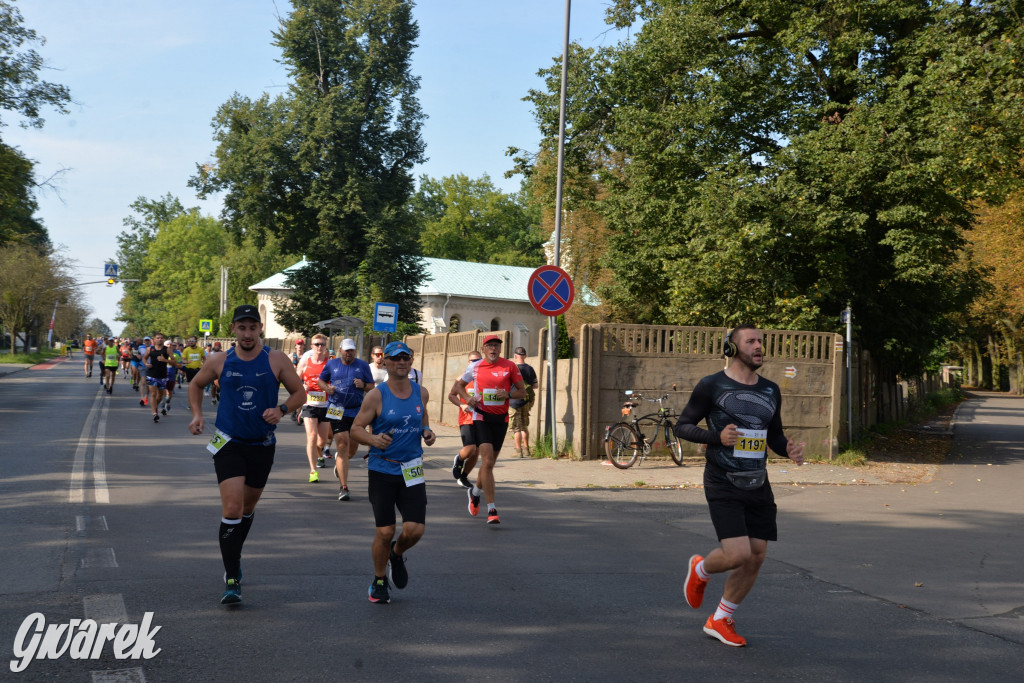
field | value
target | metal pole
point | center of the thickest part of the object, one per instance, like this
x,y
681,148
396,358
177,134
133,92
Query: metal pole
x,y
849,372
552,324
223,290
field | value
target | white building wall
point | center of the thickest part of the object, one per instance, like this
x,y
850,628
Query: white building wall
x,y
271,328
506,313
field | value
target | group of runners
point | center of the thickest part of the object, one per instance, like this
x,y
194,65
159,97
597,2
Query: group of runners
x,y
346,402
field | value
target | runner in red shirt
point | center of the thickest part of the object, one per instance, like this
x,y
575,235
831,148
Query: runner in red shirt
x,y
496,379
465,459
314,411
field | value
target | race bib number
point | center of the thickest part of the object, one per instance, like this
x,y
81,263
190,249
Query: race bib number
x,y
490,398
193,358
335,413
219,441
752,443
412,472
316,399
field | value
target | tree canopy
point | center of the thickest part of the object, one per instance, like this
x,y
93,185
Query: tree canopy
x,y
23,93
770,162
177,255
326,168
471,220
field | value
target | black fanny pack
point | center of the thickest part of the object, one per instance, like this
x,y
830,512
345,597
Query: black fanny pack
x,y
747,480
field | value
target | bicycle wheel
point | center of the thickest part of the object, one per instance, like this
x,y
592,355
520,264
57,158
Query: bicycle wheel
x,y
622,445
675,447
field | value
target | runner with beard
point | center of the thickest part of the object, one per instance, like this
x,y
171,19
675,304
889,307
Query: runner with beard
x,y
243,443
743,412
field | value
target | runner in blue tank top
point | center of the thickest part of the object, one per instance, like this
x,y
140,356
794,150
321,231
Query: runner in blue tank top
x,y
397,411
243,444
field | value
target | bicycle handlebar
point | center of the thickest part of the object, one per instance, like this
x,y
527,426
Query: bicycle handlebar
x,y
633,394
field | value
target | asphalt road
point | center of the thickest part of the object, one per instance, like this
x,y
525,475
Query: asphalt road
x,y
879,582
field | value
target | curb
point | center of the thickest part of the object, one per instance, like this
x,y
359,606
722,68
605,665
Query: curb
x,y
956,415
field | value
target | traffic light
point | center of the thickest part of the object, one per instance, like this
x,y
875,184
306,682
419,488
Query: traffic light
x,y
111,280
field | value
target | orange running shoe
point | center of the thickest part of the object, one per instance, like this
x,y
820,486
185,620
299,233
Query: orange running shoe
x,y
724,630
694,585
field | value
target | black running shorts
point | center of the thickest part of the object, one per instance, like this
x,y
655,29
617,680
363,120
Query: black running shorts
x,y
388,491
491,429
342,425
190,373
244,460
466,432
315,413
736,513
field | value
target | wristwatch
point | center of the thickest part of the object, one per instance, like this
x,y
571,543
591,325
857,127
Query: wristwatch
x,y
284,408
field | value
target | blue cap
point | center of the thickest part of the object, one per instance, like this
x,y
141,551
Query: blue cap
x,y
395,348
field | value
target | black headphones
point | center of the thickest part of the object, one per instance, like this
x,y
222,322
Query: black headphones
x,y
728,348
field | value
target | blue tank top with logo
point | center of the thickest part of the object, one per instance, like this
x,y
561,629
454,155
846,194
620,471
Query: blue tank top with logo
x,y
405,417
247,388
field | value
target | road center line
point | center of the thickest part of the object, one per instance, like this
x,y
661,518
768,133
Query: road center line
x,y
99,469
76,491
105,608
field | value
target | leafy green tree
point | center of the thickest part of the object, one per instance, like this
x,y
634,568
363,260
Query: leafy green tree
x,y
98,328
182,265
770,161
17,202
22,92
133,245
327,168
21,89
32,281
471,220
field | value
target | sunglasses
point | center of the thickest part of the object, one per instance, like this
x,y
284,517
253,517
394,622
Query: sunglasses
x,y
378,354
318,344
401,356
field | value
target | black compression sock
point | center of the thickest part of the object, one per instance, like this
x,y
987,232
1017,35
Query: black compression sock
x,y
231,540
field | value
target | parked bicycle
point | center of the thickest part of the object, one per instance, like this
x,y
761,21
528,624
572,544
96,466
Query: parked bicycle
x,y
626,442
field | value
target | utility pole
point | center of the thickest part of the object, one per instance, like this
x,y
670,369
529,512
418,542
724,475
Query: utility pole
x,y
223,290
552,321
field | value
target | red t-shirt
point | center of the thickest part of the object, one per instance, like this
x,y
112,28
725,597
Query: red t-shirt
x,y
490,377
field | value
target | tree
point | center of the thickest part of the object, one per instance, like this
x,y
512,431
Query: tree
x,y
180,254
17,202
327,168
769,162
133,245
471,220
31,283
98,328
21,90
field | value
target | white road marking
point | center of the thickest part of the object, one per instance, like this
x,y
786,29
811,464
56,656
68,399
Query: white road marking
x,y
105,608
99,557
122,676
76,492
99,471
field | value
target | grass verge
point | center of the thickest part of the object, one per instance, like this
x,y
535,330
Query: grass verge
x,y
33,358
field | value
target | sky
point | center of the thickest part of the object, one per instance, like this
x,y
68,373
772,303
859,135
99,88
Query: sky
x,y
147,78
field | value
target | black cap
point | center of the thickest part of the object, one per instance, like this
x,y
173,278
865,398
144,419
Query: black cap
x,y
519,351
245,311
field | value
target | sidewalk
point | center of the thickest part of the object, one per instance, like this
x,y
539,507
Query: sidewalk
x,y
545,473
11,368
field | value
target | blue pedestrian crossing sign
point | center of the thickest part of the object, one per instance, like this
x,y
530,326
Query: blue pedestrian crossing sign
x,y
385,317
109,270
